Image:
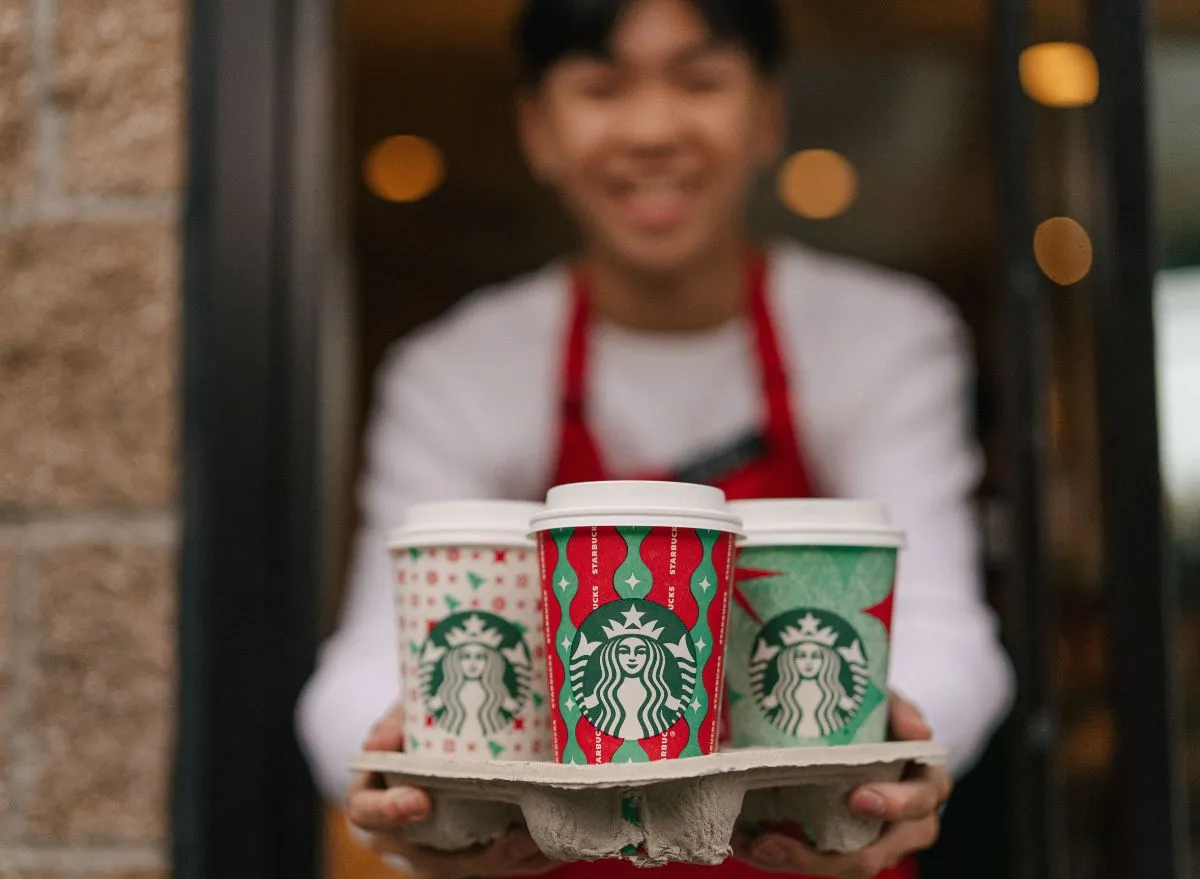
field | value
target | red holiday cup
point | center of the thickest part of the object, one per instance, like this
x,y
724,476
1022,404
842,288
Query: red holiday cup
x,y
635,582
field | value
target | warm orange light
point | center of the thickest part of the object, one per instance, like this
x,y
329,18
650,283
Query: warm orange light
x,y
404,168
1063,250
817,184
1060,74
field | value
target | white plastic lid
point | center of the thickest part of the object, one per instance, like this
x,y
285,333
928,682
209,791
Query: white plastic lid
x,y
656,504
817,523
465,523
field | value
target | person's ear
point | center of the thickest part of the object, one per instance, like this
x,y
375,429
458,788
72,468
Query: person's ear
x,y
534,135
771,124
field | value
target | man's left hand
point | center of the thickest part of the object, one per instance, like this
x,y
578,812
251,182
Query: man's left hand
x,y
910,808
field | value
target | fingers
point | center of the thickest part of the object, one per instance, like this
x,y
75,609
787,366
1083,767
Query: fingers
x,y
383,810
907,722
777,852
910,800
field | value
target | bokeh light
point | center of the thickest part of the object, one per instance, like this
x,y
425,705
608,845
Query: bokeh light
x,y
1060,75
1063,250
817,184
404,168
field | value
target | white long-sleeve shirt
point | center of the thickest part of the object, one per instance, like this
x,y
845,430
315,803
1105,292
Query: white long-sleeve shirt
x,y
880,374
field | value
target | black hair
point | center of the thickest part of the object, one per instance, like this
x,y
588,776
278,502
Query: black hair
x,y
549,30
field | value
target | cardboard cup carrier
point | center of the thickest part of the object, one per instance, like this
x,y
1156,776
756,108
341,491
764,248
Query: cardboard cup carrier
x,y
637,584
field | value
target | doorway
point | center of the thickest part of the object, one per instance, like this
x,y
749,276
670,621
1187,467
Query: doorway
x,y
311,249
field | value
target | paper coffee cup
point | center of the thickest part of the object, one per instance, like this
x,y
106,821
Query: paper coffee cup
x,y
811,615
468,607
635,582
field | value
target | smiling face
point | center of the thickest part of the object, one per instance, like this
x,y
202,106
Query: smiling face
x,y
654,147
808,660
473,661
632,654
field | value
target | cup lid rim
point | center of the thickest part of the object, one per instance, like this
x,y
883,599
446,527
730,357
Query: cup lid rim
x,y
633,502
467,522
817,521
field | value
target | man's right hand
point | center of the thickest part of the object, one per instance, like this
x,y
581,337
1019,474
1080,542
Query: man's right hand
x,y
379,814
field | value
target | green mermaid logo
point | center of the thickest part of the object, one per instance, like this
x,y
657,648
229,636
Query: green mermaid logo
x,y
633,669
475,672
809,673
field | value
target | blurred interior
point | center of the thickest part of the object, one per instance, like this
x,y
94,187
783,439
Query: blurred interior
x,y
900,91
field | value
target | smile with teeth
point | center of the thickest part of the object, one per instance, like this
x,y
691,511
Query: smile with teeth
x,y
655,203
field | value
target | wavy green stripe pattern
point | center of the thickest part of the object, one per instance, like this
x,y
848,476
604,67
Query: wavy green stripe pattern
x,y
566,585
704,589
633,579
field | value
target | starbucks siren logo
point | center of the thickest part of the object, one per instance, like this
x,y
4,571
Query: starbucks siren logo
x,y
809,673
475,671
633,669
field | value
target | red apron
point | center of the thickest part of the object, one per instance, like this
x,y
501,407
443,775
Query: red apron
x,y
770,465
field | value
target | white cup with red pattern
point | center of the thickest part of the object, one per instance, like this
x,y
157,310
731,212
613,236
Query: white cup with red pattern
x,y
469,612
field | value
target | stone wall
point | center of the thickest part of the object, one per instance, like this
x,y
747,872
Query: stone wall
x,y
91,106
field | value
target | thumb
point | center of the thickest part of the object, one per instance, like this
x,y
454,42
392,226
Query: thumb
x,y
907,722
388,733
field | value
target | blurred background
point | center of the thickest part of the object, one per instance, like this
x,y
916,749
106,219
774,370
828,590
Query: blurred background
x,y
351,172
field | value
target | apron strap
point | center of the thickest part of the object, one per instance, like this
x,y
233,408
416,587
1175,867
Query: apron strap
x,y
776,388
578,455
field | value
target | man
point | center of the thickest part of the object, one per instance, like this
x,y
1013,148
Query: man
x,y
670,346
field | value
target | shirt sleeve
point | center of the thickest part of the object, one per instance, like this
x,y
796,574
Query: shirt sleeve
x,y
911,444
418,448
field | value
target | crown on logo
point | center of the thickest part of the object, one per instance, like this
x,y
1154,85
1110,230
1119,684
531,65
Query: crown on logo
x,y
633,625
810,631
474,631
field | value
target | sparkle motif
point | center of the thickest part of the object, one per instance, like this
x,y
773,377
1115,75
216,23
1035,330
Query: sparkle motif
x,y
633,581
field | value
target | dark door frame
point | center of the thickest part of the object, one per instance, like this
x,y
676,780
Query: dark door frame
x,y
1029,604
1149,830
1150,835
260,233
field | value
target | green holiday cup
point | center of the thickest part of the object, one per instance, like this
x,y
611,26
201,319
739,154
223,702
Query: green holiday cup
x,y
635,583
810,623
